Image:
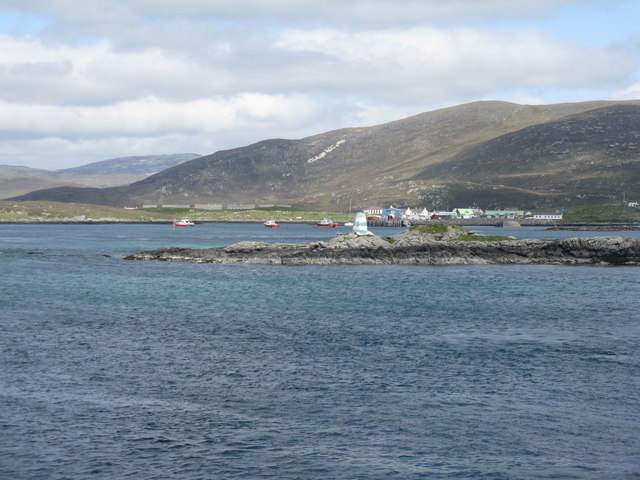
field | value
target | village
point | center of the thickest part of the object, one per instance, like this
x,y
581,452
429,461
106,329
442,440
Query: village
x,y
396,216
392,213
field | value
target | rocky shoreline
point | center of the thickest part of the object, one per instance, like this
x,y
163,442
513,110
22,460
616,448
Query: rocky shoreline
x,y
414,248
600,228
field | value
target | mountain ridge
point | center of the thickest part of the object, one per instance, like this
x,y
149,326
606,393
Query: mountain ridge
x,y
436,158
18,180
132,165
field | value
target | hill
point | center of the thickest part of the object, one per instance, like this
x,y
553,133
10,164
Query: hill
x,y
18,180
138,165
11,186
489,154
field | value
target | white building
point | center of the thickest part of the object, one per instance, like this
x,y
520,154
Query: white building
x,y
547,216
373,210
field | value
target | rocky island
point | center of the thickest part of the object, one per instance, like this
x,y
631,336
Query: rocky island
x,y
431,245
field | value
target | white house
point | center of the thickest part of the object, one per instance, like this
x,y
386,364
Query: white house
x,y
547,216
373,210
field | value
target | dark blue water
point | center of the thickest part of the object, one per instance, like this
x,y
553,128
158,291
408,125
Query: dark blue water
x,y
146,370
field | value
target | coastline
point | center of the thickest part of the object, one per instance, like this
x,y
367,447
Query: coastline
x,y
133,222
601,227
413,248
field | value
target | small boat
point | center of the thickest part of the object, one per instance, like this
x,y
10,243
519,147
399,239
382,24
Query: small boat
x,y
185,222
348,224
327,222
271,224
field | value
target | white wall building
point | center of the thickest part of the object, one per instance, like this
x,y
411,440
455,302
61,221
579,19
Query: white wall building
x,y
373,210
547,216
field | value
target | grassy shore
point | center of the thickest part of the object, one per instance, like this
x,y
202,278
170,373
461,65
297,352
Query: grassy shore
x,y
11,211
58,212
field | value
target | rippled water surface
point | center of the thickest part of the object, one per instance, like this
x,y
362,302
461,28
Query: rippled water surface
x,y
146,370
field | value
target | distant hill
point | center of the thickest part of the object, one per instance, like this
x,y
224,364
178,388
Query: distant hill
x,y
489,154
19,171
11,186
18,180
138,165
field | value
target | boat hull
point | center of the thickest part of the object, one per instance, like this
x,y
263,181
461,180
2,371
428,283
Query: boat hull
x,y
183,223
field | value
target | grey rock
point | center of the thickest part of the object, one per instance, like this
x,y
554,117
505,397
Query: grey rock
x,y
377,251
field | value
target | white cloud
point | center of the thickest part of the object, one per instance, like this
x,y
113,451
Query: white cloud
x,y
198,75
632,92
361,12
151,116
32,71
430,64
50,136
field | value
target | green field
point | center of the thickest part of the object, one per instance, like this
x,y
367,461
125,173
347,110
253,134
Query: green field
x,y
603,214
55,211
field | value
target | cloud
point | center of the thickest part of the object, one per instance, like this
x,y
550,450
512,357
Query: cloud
x,y
424,65
32,71
377,13
152,116
149,125
632,92
159,74
427,64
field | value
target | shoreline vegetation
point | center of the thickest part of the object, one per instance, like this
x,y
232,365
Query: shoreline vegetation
x,y
58,212
598,217
420,245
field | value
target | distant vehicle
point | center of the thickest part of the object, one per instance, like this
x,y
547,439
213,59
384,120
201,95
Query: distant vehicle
x,y
185,222
271,224
327,222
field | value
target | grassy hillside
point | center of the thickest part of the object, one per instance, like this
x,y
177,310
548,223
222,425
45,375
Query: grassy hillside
x,y
53,211
586,158
603,214
488,154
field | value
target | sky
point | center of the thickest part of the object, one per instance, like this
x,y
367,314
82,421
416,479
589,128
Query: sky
x,y
88,80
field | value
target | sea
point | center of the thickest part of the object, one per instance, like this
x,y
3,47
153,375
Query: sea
x,y
116,369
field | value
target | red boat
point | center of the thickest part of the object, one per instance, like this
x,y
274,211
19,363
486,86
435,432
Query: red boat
x,y
327,222
183,223
271,224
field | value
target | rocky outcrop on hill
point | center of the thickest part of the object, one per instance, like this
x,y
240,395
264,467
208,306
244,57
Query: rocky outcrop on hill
x,y
413,250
